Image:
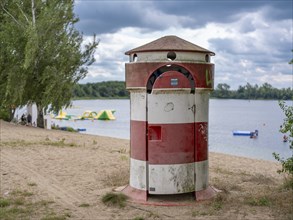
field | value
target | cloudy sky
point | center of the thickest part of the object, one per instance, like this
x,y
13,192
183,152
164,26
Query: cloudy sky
x,y
252,39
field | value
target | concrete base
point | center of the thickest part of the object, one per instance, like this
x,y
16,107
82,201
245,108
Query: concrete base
x,y
206,194
187,199
135,194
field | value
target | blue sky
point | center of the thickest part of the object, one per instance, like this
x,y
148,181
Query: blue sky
x,y
252,39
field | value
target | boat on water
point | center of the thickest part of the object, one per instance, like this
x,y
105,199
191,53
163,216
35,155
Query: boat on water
x,y
64,128
246,133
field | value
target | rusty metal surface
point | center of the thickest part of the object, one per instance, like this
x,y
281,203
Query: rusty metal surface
x,y
170,43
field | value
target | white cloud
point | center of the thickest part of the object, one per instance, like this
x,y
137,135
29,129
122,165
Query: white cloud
x,y
251,49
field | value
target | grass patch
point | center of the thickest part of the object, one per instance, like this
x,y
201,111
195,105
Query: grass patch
x,y
117,178
225,185
115,199
223,171
218,201
60,143
22,143
20,205
84,205
138,218
124,157
53,216
45,203
4,202
153,215
258,178
16,143
262,201
288,183
120,151
32,184
198,213
19,193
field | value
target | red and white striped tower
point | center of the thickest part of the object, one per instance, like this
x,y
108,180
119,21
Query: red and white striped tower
x,y
169,81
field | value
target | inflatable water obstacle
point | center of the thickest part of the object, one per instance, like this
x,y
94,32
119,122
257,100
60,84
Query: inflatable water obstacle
x,y
88,115
101,115
62,116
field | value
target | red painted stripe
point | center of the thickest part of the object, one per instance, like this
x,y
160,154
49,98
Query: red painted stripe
x,y
138,140
171,143
137,74
201,137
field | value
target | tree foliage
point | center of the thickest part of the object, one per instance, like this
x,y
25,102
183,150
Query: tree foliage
x,y
116,89
287,128
41,56
110,89
265,91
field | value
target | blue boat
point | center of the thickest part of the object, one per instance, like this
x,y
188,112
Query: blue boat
x,y
242,133
246,133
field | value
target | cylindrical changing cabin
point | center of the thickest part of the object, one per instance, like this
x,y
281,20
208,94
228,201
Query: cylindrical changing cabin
x,y
169,81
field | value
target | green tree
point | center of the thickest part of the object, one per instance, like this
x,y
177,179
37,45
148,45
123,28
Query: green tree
x,y
287,127
12,73
223,90
51,61
109,89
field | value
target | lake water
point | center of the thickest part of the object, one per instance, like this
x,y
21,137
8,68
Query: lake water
x,y
224,117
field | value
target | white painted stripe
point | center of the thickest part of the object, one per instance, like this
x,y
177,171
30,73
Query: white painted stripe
x,y
167,108
138,174
201,175
202,107
138,106
135,89
171,179
171,90
158,56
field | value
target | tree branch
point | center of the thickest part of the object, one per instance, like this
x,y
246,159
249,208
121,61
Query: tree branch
x,y
33,12
23,13
11,16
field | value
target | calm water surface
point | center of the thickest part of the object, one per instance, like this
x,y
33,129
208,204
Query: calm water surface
x,y
224,117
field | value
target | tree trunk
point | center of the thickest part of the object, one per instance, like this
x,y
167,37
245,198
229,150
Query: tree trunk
x,y
40,118
11,113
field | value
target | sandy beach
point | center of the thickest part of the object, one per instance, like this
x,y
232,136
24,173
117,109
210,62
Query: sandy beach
x,y
66,174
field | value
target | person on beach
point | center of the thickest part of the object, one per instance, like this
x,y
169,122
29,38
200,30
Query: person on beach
x,y
29,119
285,138
22,118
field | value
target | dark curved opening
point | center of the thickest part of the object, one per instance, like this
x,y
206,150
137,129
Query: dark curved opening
x,y
134,59
207,58
171,55
164,69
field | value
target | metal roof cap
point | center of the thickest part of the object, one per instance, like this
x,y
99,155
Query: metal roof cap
x,y
170,43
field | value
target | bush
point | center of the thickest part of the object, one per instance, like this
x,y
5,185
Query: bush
x,y
114,199
4,114
287,127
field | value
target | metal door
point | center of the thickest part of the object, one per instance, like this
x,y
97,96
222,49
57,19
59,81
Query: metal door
x,y
171,136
